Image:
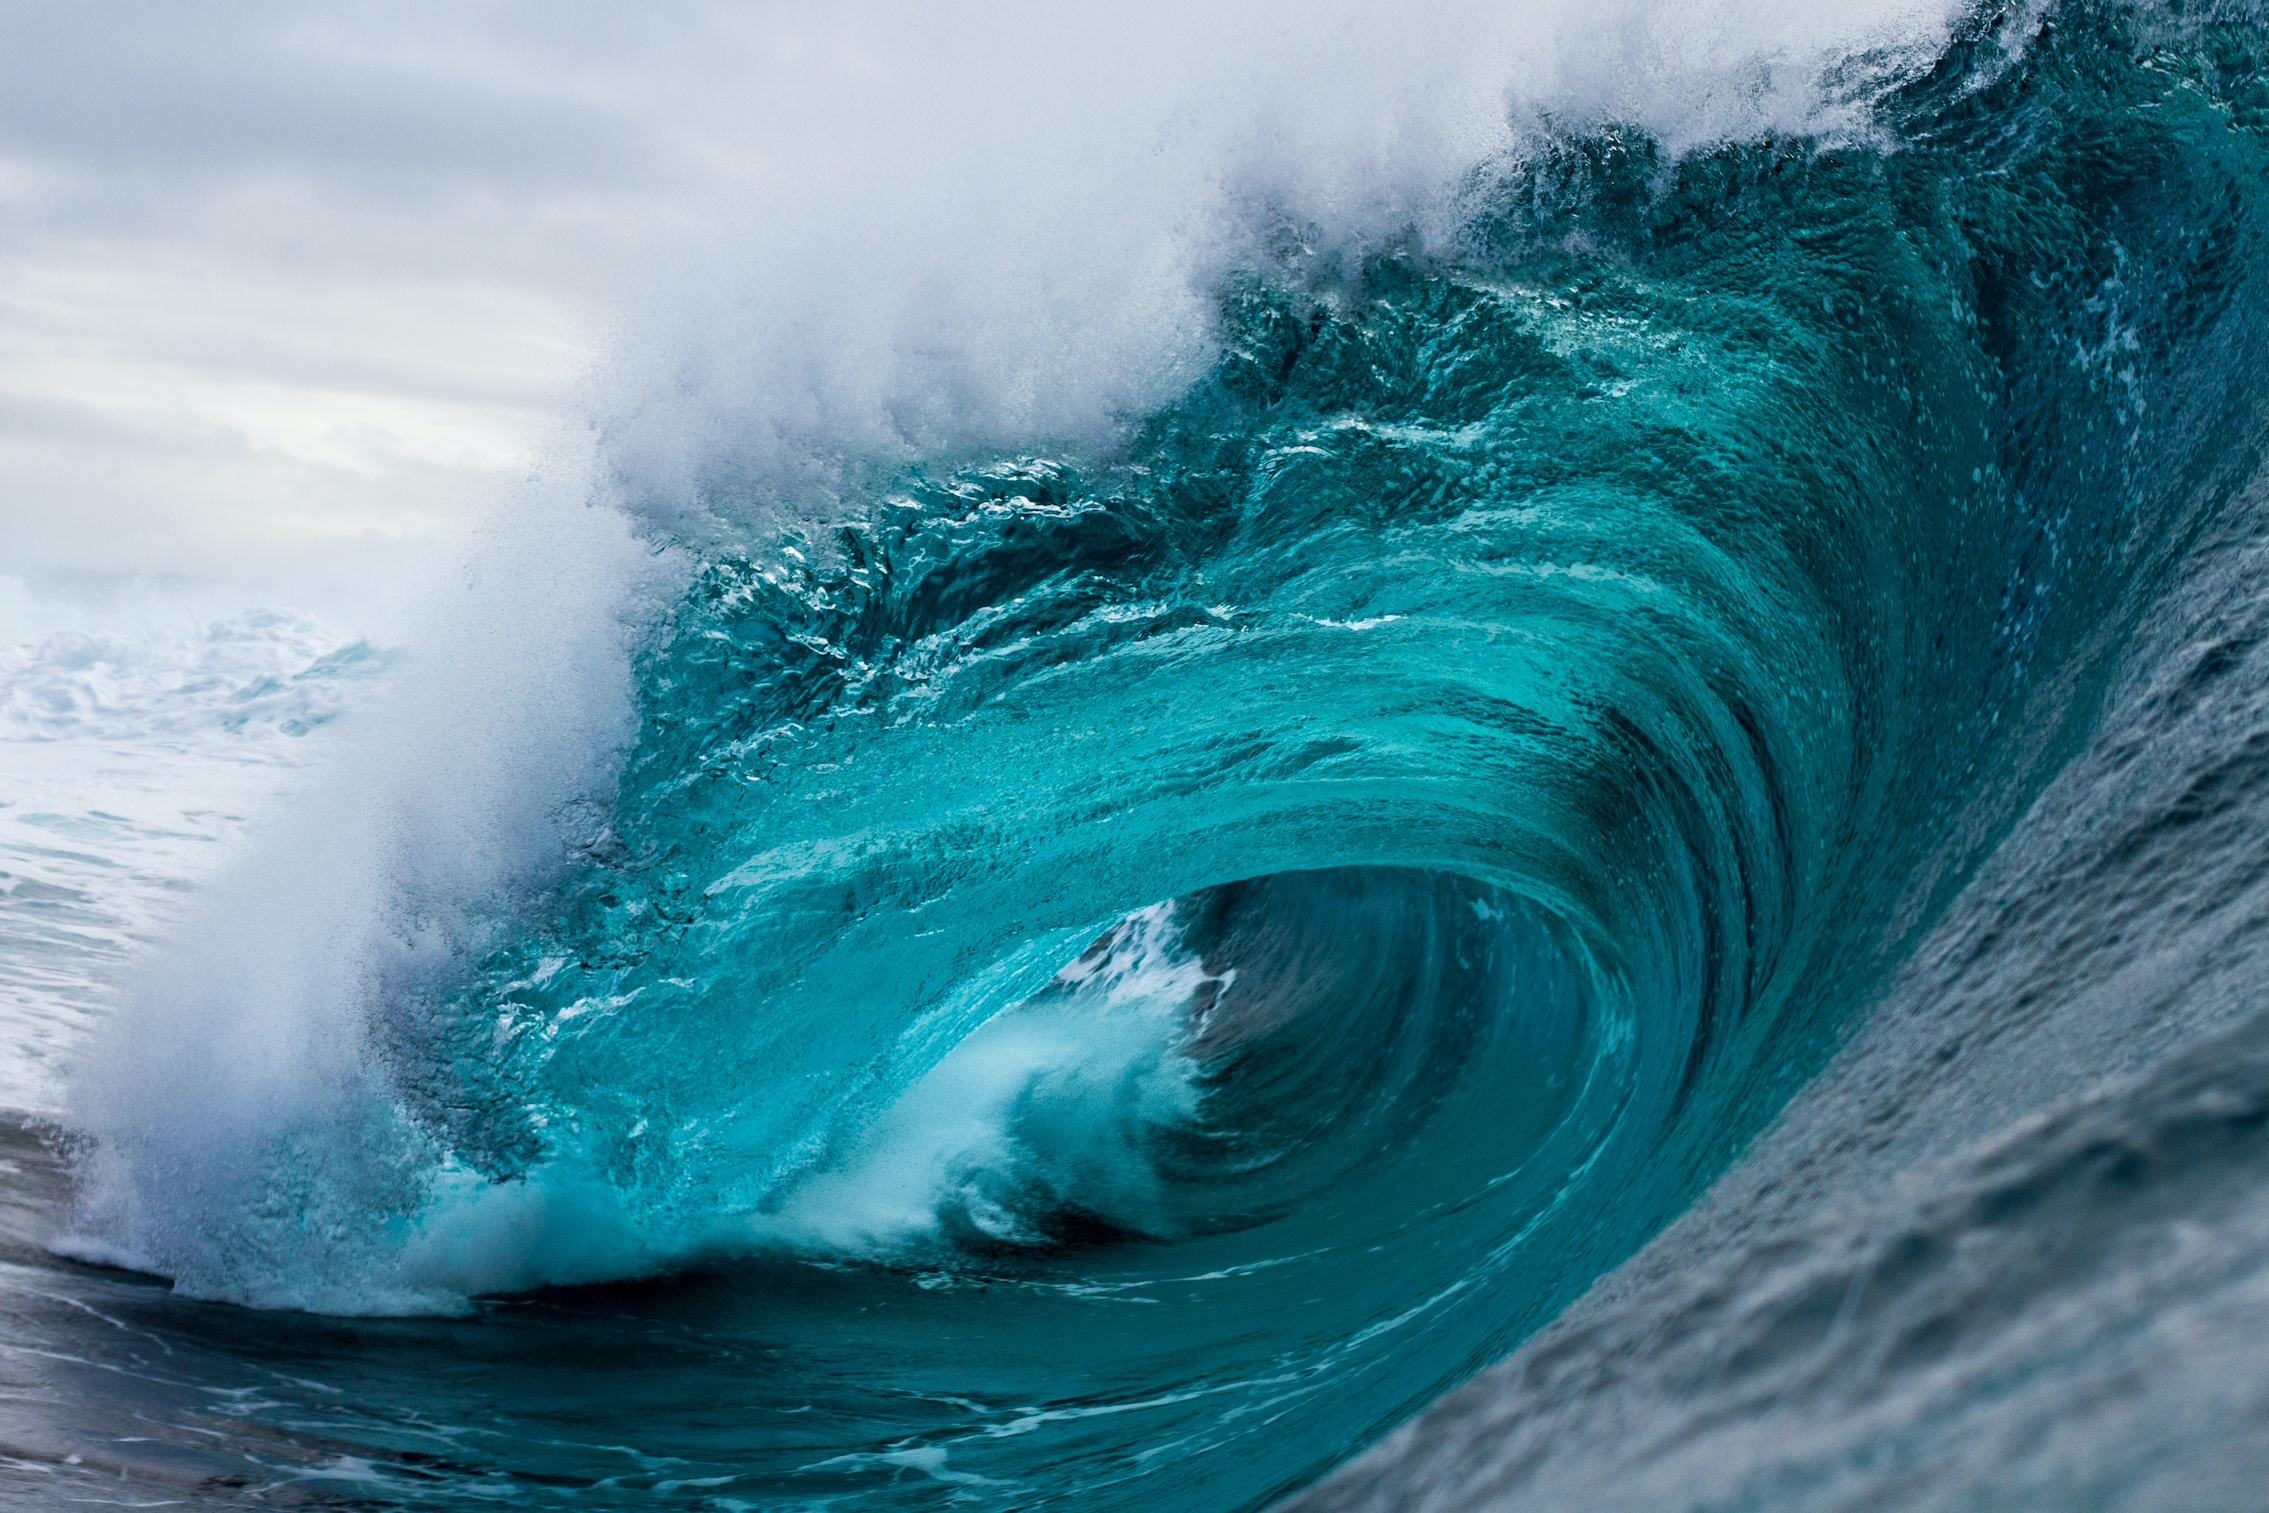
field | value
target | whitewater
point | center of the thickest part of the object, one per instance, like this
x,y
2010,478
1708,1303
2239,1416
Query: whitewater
x,y
1507,763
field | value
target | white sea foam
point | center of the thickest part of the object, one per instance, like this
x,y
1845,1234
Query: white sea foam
x,y
1052,1096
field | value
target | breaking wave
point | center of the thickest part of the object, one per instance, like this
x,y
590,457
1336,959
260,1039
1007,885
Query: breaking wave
x,y
1125,969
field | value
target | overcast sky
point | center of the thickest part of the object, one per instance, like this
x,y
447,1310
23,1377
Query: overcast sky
x,y
294,293
283,277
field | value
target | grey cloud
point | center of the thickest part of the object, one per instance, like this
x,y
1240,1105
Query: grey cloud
x,y
41,420
332,368
159,90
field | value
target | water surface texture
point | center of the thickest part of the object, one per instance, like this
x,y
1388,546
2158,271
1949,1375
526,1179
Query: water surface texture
x,y
1113,979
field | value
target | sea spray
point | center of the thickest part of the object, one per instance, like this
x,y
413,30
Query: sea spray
x,y
245,1073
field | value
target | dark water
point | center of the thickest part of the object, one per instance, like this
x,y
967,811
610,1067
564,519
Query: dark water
x,y
1111,982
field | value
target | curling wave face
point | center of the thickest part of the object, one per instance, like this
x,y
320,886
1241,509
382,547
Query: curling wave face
x,y
1123,978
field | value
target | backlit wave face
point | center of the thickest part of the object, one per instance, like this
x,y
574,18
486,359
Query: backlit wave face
x,y
1127,976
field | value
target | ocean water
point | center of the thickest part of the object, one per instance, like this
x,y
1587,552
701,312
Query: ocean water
x,y
139,734
1656,781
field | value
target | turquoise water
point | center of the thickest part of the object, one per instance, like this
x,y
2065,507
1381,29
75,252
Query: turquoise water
x,y
1113,980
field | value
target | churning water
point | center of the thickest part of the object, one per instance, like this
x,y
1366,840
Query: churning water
x,y
1678,749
